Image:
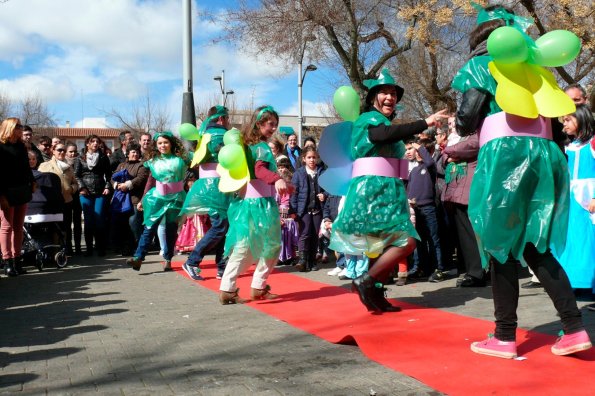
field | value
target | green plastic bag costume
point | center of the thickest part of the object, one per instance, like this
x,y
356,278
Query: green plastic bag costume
x,y
519,193
376,210
204,196
166,168
255,221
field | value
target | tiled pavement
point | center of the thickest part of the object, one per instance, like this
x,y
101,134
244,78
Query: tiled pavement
x,y
98,327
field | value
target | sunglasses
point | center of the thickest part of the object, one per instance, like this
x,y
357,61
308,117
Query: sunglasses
x,y
60,150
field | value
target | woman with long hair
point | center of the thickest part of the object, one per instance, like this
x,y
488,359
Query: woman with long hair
x,y
163,198
255,231
16,187
93,173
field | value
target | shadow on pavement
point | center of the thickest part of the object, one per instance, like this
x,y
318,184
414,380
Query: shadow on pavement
x,y
47,308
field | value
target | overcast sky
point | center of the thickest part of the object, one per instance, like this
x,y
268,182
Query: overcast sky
x,y
83,56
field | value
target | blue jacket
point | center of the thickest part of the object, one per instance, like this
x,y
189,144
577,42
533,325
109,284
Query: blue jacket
x,y
299,199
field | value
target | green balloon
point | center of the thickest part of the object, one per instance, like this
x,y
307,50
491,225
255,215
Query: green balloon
x,y
346,102
232,136
556,48
189,132
508,45
231,156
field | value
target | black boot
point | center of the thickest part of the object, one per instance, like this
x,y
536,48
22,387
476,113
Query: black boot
x,y
382,302
18,265
9,268
302,264
365,285
312,263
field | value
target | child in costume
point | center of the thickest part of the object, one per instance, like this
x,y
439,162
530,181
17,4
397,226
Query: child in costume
x,y
204,197
289,228
164,197
375,218
255,232
307,202
518,203
578,258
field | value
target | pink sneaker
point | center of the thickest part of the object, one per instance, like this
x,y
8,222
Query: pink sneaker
x,y
494,347
571,343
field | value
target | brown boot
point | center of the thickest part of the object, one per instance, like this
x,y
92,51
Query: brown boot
x,y
263,294
227,298
135,263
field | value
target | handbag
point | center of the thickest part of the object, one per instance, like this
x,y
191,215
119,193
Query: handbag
x,y
19,195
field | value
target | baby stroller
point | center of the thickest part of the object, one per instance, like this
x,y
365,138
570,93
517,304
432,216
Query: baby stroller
x,y
43,237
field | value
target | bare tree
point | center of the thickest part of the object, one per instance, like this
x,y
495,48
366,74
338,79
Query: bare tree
x,y
424,42
5,106
356,37
577,16
33,111
143,116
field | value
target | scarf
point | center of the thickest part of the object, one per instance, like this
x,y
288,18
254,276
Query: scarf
x,y
92,159
63,165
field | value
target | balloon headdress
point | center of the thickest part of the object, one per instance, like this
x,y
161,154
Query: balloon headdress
x,y
525,88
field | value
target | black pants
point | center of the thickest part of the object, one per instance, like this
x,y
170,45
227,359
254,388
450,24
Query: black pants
x,y
467,243
72,223
309,225
505,288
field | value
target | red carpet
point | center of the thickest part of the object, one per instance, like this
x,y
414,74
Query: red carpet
x,y
427,344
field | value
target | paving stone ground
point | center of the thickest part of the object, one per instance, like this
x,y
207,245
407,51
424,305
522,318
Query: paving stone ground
x,y
98,327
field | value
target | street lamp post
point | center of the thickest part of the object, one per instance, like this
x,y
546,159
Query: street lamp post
x,y
188,112
221,80
301,78
230,92
300,84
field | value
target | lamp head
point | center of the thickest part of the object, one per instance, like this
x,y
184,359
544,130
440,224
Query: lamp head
x,y
311,68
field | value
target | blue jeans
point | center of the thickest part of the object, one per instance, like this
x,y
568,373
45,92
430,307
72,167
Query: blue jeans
x,y
95,212
213,239
171,234
428,254
162,234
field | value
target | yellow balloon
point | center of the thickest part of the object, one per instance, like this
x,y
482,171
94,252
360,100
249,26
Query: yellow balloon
x,y
201,149
529,90
234,180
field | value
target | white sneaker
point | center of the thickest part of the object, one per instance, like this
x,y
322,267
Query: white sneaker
x,y
343,272
334,272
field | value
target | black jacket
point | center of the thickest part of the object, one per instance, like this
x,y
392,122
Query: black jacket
x,y
299,199
15,173
94,180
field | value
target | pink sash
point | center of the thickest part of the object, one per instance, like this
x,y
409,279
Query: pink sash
x,y
258,189
169,188
208,169
503,124
380,166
